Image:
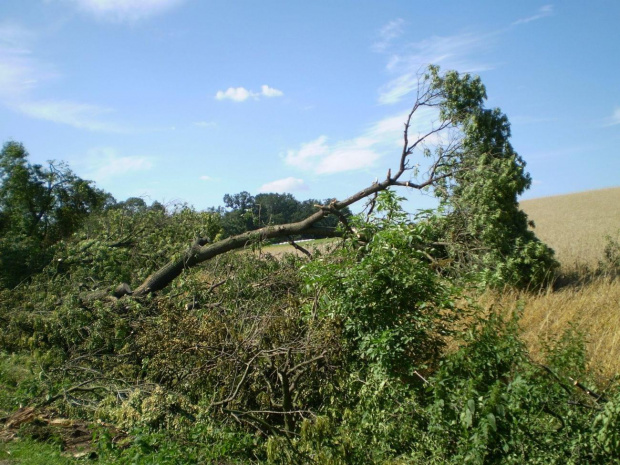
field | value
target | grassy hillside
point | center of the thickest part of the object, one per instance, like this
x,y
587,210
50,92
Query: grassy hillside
x,y
576,226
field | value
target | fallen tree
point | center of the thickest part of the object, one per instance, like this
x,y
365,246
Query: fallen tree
x,y
313,355
468,158
201,250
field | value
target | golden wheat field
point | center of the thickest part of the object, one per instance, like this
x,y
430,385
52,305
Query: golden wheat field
x,y
576,226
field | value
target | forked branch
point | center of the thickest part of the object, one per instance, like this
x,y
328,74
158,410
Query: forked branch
x,y
428,96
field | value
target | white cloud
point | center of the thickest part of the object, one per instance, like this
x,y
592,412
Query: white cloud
x,y
289,184
241,94
206,178
237,94
205,124
103,163
322,158
267,91
125,10
78,115
382,137
22,75
388,33
353,155
308,153
451,52
543,12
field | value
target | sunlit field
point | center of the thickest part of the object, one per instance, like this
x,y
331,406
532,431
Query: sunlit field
x,y
578,227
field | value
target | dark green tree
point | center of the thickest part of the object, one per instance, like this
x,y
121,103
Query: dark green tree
x,y
248,213
38,206
484,229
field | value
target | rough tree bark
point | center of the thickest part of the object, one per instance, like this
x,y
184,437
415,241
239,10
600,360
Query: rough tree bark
x,y
428,96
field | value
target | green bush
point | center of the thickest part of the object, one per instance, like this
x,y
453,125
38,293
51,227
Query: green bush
x,y
395,309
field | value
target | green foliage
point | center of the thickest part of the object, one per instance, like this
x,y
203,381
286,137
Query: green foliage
x,y
31,452
606,428
484,230
488,403
54,312
127,244
203,443
247,212
338,359
18,381
38,207
491,404
395,309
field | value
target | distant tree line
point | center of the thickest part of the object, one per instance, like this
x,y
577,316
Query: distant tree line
x,y
245,212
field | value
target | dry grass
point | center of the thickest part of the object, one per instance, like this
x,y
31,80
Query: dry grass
x,y
592,309
279,250
575,226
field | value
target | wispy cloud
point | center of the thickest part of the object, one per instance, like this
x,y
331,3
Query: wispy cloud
x,y
19,71
460,52
289,184
321,156
614,119
78,115
387,34
241,94
205,124
125,10
22,75
543,12
105,163
15,36
204,177
463,52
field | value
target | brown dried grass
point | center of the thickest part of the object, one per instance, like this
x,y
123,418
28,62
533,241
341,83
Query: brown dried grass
x,y
575,226
592,308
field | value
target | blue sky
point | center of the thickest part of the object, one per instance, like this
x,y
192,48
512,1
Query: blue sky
x,y
187,100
